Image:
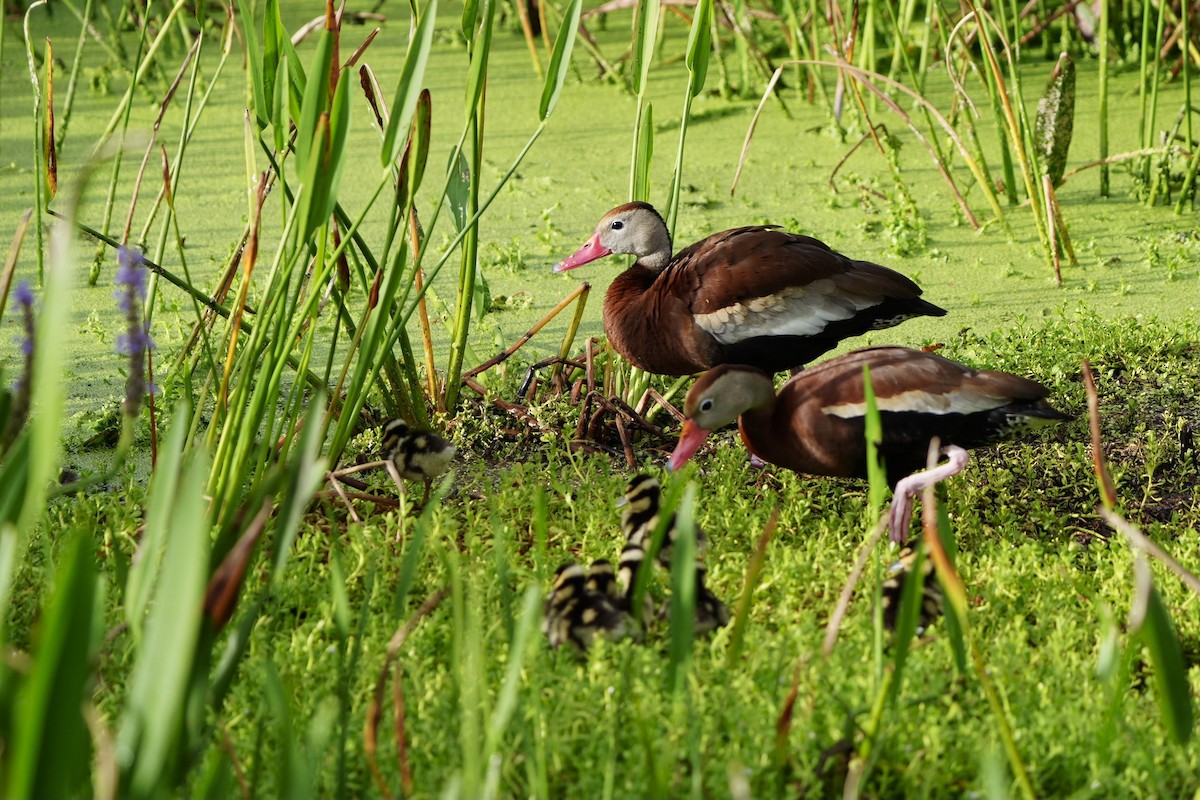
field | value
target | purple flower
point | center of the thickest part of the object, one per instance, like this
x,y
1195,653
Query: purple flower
x,y
24,294
135,341
20,405
131,278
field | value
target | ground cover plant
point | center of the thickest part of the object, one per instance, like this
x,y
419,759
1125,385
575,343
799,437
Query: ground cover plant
x,y
192,604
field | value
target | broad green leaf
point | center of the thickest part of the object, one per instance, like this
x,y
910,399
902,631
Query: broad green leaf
x,y
470,17
159,683
163,488
643,154
271,47
418,141
408,89
907,617
683,590
13,475
280,106
51,745
292,776
699,48
480,48
257,65
1170,674
316,102
560,59
458,190
314,190
296,86
645,34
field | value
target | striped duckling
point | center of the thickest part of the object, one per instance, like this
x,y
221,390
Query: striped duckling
x,y
580,606
415,454
639,518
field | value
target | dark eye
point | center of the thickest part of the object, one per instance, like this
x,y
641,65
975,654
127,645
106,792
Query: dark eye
x,y
706,405
617,225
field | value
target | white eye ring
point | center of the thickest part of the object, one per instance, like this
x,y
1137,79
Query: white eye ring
x,y
617,225
706,405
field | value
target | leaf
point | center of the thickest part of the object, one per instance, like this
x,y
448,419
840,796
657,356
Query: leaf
x,y
876,477
645,27
418,141
1170,674
292,780
409,86
51,149
560,59
159,683
51,745
699,46
683,589
458,190
480,47
315,104
163,487
643,154
257,63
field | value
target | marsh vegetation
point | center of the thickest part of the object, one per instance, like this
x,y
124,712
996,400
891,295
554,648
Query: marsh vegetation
x,y
314,226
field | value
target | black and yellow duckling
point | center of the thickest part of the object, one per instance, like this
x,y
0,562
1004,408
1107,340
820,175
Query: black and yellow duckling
x,y
639,518
898,574
414,454
575,613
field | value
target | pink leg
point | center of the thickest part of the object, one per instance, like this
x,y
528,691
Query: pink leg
x,y
907,488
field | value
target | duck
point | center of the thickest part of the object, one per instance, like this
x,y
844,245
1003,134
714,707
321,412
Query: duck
x,y
815,424
639,518
896,578
754,295
415,454
575,613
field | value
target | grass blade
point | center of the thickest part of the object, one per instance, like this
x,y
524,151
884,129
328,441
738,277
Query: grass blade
x,y
409,87
51,748
560,60
158,685
1150,622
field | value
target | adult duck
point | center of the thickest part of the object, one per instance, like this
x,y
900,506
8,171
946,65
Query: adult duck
x,y
816,423
755,295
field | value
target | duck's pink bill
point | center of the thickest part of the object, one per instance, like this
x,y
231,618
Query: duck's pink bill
x,y
586,254
690,439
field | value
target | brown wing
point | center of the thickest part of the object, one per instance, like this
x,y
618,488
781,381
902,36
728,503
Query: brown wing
x,y
751,283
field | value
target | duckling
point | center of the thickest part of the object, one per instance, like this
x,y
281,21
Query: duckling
x,y
898,574
628,566
574,613
414,454
639,518
602,579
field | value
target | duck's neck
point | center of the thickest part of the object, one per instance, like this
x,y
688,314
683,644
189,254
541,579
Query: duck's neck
x,y
757,423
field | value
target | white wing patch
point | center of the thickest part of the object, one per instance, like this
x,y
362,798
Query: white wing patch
x,y
795,311
920,401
